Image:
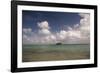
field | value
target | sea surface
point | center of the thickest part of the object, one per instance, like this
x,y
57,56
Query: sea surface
x,y
33,53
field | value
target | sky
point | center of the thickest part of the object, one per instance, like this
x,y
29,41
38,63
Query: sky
x,y
42,27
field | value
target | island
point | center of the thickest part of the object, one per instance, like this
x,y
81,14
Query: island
x,y
58,43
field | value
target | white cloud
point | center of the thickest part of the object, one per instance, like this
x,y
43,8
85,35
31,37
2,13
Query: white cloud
x,y
27,30
50,39
74,34
43,25
44,31
85,25
76,26
44,28
62,35
79,33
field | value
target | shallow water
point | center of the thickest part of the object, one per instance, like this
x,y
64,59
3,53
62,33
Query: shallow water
x,y
31,53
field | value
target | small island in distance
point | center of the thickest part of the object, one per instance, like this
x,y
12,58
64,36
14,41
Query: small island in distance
x,y
58,43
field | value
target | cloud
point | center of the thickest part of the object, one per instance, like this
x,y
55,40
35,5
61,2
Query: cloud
x,y
44,32
44,28
85,25
43,25
62,35
79,33
27,30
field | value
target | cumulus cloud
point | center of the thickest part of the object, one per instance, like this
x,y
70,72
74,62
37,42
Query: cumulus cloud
x,y
44,31
43,25
44,28
79,33
62,35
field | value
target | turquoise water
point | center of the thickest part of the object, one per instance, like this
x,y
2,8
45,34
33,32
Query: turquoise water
x,y
31,53
69,47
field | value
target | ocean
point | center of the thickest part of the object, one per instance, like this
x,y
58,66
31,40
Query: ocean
x,y
33,53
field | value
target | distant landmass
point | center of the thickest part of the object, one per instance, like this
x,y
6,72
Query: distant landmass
x,y
59,43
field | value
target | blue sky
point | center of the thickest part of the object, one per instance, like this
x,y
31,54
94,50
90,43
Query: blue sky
x,y
56,20
42,27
